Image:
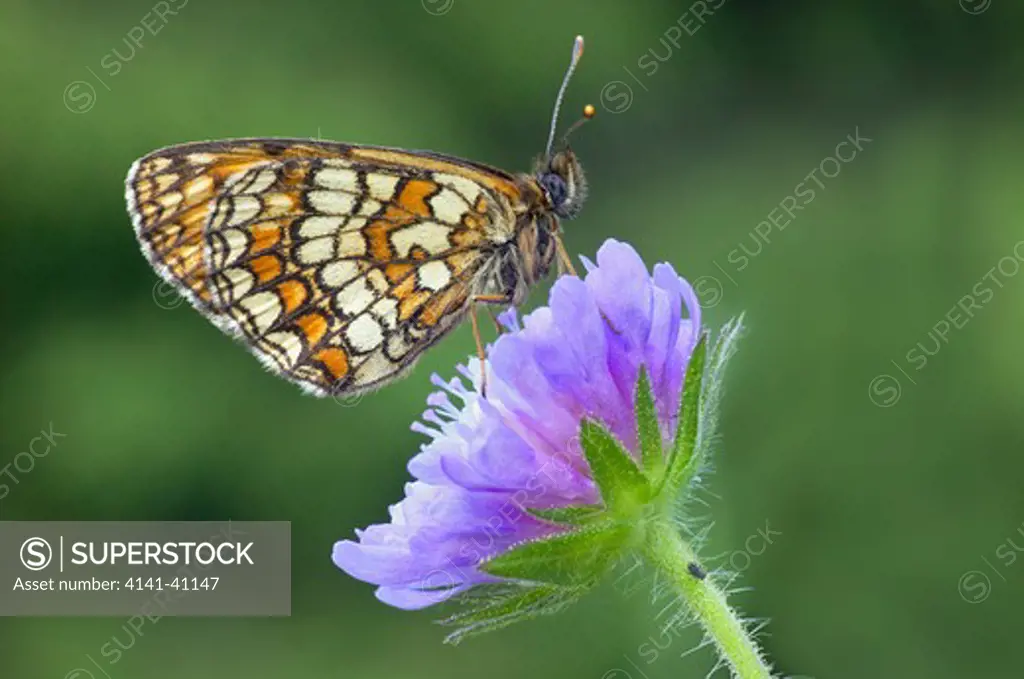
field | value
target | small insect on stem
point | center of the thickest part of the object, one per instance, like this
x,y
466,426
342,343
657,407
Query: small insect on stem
x,y
696,571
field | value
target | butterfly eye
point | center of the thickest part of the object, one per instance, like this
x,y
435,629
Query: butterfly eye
x,y
555,187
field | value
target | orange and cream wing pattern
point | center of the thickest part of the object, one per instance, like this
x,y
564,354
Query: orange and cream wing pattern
x,y
337,265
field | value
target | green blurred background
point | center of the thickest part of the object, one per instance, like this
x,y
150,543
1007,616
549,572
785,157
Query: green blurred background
x,y
891,488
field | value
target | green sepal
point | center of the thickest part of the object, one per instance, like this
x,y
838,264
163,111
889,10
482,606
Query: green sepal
x,y
682,462
623,487
724,348
492,607
576,515
648,429
584,555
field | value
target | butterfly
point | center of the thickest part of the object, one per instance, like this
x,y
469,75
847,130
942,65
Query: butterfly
x,y
338,264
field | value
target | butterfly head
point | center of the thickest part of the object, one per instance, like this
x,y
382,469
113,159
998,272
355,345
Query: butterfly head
x,y
565,187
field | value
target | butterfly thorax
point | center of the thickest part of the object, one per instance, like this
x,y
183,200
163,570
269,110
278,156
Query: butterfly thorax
x,y
555,191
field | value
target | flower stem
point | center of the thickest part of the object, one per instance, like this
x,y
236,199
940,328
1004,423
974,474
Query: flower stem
x,y
667,551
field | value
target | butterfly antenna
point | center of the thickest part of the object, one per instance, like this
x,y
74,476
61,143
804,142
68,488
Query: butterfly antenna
x,y
588,112
577,52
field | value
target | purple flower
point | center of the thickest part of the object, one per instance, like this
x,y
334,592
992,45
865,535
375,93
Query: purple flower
x,y
491,458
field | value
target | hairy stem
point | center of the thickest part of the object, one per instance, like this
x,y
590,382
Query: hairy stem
x,y
666,549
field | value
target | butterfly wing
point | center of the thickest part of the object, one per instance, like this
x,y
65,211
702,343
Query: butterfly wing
x,y
336,265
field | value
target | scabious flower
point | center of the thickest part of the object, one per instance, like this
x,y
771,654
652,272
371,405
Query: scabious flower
x,y
591,426
492,458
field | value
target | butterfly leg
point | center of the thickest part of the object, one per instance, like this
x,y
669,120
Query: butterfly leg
x,y
494,319
563,257
474,301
